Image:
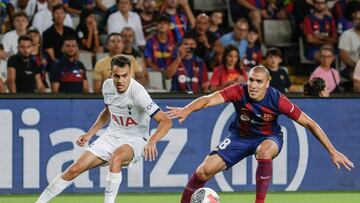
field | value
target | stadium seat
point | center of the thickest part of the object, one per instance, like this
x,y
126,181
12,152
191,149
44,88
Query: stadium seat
x,y
278,33
156,82
86,59
303,59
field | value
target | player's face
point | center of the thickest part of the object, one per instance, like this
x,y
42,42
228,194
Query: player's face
x,y
257,85
121,77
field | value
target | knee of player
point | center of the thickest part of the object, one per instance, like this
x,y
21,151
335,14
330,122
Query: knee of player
x,y
264,154
116,159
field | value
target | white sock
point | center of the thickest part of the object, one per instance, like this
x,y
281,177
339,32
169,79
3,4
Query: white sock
x,y
55,187
113,181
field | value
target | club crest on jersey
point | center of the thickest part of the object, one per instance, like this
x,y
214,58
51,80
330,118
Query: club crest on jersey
x,y
129,106
124,121
268,117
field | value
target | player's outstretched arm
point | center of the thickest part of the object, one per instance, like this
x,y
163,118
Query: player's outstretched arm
x,y
199,103
165,123
337,157
101,120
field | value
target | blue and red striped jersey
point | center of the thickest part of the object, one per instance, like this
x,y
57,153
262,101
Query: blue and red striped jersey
x,y
258,118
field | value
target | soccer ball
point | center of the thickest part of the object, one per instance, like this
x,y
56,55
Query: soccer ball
x,y
205,195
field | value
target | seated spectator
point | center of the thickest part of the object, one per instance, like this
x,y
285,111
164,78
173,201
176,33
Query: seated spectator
x,y
253,55
55,35
216,19
34,6
41,58
356,77
44,18
160,48
316,88
75,7
124,17
68,74
342,12
349,45
229,72
181,17
148,17
205,40
102,71
22,73
88,33
10,39
188,71
128,38
325,71
319,29
237,37
3,71
279,75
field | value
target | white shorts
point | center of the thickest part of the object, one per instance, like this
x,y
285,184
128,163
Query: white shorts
x,y
106,144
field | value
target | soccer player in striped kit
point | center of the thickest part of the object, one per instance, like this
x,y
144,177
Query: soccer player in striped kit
x,y
254,130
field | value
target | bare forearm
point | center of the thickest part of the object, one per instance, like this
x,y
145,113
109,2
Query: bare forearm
x,y
101,120
344,56
12,87
316,130
197,104
162,129
171,70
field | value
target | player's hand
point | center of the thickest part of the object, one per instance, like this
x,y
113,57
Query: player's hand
x,y
176,112
150,151
340,159
82,140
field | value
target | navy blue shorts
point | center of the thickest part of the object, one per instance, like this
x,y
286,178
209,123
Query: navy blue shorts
x,y
234,148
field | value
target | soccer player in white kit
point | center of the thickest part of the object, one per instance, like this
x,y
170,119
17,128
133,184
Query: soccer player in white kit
x,y
129,108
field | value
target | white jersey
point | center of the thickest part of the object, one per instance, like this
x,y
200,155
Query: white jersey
x,y
130,111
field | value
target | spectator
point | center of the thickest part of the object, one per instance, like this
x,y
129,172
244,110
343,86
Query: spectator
x,y
181,17
349,45
101,72
55,35
319,29
216,20
148,17
128,38
316,88
237,37
75,7
10,39
188,72
279,75
160,48
68,74
253,55
34,6
356,77
229,72
342,12
104,5
41,58
88,33
124,17
324,71
22,73
205,40
3,71
44,19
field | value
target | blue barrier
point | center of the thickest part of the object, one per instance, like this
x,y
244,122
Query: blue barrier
x,y
38,141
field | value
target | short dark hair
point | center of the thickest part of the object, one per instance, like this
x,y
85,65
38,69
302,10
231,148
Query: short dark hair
x,y
69,38
189,35
163,18
273,51
112,34
24,38
313,87
121,61
20,14
58,7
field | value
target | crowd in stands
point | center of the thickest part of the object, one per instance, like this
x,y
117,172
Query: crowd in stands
x,y
170,43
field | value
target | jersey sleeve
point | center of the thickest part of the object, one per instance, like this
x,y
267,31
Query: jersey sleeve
x,y
105,90
144,101
232,93
289,109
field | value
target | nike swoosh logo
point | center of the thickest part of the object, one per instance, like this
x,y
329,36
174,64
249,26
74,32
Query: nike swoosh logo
x,y
264,178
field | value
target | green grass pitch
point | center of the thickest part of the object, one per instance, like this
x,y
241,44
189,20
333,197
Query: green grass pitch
x,y
273,197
